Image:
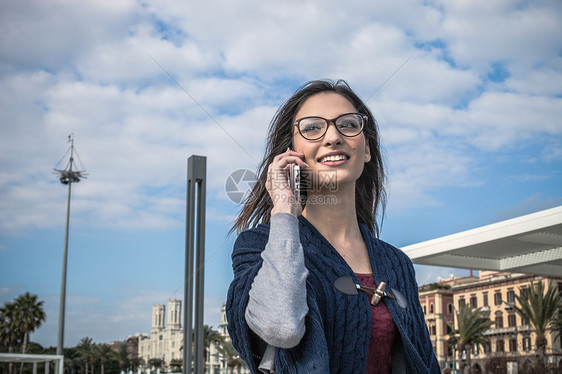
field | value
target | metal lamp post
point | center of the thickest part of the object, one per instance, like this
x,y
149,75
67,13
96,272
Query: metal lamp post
x,y
66,176
194,255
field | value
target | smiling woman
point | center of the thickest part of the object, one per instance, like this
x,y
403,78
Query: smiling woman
x,y
284,313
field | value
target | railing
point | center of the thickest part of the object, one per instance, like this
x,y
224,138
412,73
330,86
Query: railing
x,y
501,331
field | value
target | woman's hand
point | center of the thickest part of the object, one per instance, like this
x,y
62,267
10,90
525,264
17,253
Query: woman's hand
x,y
284,201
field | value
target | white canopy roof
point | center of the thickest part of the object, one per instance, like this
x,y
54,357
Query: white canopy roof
x,y
529,244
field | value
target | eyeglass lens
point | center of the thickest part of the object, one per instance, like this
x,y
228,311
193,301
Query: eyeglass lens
x,y
315,127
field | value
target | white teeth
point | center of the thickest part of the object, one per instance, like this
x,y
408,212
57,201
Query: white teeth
x,y
333,158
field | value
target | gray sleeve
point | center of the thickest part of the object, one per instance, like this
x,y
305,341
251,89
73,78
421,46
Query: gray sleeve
x,y
267,363
277,305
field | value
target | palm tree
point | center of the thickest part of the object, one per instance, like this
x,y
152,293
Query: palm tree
x,y
539,307
86,351
123,357
557,323
136,362
471,324
10,333
30,316
232,358
155,363
104,353
72,363
209,336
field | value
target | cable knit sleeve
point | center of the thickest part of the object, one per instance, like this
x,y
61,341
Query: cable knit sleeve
x,y
266,301
277,307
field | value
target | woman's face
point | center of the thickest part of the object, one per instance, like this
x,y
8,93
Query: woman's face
x,y
333,157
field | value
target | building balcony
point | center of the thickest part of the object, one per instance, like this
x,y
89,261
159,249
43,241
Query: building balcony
x,y
509,355
501,331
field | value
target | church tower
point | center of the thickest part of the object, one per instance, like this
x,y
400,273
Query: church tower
x,y
158,313
174,314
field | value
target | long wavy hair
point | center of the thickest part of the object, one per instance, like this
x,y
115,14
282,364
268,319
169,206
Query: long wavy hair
x,y
370,194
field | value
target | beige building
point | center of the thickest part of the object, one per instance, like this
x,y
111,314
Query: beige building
x,y
437,304
165,340
510,339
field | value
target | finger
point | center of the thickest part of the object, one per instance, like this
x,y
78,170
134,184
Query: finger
x,y
286,160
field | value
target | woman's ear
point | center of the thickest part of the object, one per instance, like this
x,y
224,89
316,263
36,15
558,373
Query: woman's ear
x,y
367,151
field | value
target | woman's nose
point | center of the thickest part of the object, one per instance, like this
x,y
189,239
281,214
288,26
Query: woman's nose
x,y
332,135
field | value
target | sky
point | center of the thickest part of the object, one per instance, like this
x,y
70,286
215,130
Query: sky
x,y
467,95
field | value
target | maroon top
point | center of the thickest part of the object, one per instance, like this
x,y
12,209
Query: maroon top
x,y
383,332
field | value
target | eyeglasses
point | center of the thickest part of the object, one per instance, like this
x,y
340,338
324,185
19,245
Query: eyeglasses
x,y
349,124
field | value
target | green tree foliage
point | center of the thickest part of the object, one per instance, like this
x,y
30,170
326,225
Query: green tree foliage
x,y
136,362
86,352
557,323
103,353
539,306
30,315
471,325
232,357
18,319
155,363
123,357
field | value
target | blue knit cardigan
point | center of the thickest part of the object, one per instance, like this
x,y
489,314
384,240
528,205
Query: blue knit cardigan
x,y
337,325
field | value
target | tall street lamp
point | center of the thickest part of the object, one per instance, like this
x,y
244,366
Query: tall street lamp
x,y
67,176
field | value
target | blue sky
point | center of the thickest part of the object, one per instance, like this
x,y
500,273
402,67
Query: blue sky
x,y
468,96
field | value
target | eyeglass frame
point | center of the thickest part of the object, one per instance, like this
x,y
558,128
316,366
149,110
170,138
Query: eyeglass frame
x,y
364,120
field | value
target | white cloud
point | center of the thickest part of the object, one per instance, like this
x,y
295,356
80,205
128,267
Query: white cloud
x,y
414,173
37,34
542,81
135,127
497,119
483,32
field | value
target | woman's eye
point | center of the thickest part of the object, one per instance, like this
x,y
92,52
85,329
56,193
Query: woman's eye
x,y
348,124
311,127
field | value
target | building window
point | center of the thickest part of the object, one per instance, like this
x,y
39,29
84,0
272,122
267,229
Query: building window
x,y
430,308
498,298
473,302
510,296
524,292
424,310
485,299
511,320
450,308
499,345
499,320
487,347
512,345
526,343
461,303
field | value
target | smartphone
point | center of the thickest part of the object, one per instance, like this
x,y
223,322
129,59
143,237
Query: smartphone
x,y
295,180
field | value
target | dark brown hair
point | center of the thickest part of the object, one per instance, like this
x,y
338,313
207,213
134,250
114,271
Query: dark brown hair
x,y
370,195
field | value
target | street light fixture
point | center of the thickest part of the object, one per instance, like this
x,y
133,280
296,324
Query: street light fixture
x,y
67,176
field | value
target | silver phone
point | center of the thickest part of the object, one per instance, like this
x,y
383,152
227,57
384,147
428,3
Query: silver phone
x,y
295,180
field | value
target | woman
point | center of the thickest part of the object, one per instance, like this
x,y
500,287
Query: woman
x,y
285,314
